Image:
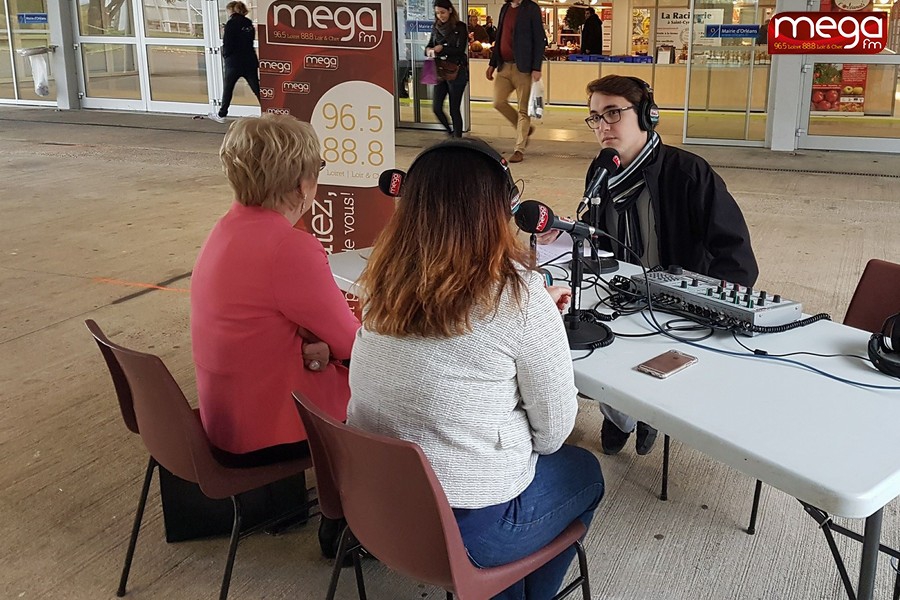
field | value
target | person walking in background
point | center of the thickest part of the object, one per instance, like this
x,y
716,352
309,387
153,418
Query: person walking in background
x,y
239,54
463,352
449,42
477,33
489,27
592,33
516,60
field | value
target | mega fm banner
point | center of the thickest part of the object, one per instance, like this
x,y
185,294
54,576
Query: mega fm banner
x,y
331,63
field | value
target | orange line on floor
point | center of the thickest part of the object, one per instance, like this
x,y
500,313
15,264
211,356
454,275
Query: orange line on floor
x,y
140,285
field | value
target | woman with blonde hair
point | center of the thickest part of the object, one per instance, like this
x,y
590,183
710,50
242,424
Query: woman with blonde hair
x,y
239,55
266,315
463,352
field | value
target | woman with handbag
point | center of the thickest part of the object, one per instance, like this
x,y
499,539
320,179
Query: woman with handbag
x,y
449,48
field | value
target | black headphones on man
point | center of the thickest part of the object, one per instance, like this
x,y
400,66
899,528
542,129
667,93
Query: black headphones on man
x,y
884,347
647,110
391,181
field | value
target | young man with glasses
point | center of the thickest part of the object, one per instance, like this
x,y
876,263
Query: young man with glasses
x,y
666,206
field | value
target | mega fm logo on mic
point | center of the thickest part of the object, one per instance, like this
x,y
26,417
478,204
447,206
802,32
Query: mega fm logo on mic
x,y
330,62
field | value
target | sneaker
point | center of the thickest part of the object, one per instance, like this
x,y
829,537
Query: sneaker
x,y
215,117
612,439
516,157
646,436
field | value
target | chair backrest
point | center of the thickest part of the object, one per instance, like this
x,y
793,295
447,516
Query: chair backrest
x,y
123,392
392,500
168,426
877,296
326,487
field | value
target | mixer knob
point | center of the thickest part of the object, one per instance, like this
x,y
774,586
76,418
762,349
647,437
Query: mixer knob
x,y
776,298
675,270
762,295
762,301
749,290
709,291
732,294
684,283
695,282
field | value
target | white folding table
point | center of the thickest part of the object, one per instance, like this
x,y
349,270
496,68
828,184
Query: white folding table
x,y
831,445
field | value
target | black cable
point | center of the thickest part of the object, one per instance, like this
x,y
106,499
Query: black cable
x,y
765,353
791,361
591,351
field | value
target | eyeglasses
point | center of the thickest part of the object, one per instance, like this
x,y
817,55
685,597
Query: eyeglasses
x,y
322,165
613,115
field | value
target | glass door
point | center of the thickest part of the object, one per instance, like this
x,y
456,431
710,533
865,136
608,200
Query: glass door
x,y
110,63
23,26
854,105
412,28
244,102
728,73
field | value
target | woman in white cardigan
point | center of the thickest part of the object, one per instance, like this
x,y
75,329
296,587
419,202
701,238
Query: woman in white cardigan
x,y
463,352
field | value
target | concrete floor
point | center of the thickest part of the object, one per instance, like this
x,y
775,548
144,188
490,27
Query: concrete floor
x,y
98,205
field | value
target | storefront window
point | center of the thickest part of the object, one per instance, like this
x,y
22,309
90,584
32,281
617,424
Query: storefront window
x,y
30,29
858,99
177,73
110,71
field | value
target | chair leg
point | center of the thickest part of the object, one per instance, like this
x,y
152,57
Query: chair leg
x,y
338,563
136,528
357,566
583,567
896,564
751,529
664,492
232,548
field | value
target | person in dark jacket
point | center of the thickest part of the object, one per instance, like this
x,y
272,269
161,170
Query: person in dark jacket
x,y
239,54
516,59
592,33
477,33
666,206
490,28
449,42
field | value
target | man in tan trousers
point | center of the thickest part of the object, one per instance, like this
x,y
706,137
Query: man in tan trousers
x,y
516,60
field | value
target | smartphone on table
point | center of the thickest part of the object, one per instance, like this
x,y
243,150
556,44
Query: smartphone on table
x,y
666,364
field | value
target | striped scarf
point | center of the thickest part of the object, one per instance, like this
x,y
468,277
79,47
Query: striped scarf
x,y
624,189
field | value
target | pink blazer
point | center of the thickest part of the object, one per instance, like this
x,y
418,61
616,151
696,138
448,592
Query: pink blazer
x,y
257,279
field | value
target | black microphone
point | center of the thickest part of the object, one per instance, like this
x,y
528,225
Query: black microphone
x,y
537,217
604,166
390,182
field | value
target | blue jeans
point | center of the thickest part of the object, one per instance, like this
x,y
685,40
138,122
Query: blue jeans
x,y
567,485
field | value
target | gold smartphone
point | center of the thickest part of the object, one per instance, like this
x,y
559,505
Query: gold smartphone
x,y
666,364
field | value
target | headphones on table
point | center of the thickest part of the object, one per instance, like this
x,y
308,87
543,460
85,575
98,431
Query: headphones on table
x,y
884,347
391,181
647,110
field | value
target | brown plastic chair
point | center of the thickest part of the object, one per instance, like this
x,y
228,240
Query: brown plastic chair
x,y
396,508
877,296
175,438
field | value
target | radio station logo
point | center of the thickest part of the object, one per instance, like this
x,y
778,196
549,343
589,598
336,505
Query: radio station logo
x,y
295,87
266,93
321,61
278,111
279,67
828,33
323,23
394,186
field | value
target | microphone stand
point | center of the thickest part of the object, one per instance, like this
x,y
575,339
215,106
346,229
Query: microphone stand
x,y
583,335
595,264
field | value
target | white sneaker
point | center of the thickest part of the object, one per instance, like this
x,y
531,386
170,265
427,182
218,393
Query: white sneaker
x,y
215,117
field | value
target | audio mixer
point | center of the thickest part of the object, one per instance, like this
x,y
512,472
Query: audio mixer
x,y
720,300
